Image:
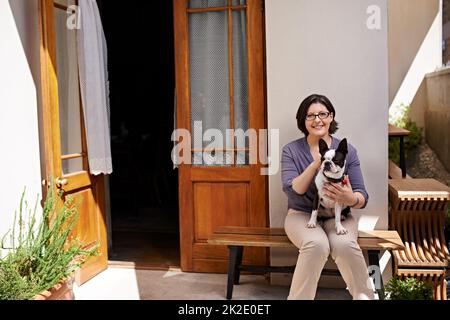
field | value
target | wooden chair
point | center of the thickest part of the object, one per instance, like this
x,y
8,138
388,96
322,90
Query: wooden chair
x,y
418,209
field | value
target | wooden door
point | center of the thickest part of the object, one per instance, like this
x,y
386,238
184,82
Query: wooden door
x,y
64,134
219,83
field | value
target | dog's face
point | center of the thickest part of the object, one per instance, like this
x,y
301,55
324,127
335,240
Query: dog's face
x,y
333,161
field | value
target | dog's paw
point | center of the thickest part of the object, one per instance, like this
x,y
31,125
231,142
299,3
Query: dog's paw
x,y
341,230
311,224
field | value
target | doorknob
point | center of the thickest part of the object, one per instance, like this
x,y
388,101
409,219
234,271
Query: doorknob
x,y
61,182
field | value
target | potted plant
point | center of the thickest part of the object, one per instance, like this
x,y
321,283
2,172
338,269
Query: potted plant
x,y
408,289
43,254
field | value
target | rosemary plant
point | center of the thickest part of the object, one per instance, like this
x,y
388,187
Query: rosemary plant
x,y
44,253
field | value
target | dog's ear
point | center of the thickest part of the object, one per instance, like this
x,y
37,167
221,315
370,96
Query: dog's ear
x,y
342,146
323,147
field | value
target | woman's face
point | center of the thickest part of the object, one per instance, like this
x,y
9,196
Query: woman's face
x,y
321,123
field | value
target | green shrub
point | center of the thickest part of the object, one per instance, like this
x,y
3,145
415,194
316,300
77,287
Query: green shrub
x,y
42,254
411,141
408,289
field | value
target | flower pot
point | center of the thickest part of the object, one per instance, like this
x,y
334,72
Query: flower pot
x,y
61,291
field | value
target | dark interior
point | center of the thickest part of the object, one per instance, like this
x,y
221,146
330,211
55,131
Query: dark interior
x,y
143,185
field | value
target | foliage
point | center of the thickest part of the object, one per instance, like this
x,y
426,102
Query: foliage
x,y
408,289
411,141
44,253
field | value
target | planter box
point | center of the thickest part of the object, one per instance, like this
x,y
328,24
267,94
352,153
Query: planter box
x,y
62,291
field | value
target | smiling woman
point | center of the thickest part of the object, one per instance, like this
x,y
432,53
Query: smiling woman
x,y
301,161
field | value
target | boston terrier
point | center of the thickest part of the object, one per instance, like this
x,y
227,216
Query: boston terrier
x,y
331,170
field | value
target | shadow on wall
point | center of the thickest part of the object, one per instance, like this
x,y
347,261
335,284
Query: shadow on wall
x,y
26,17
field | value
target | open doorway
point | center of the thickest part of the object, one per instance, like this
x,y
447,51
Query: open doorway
x,y
143,185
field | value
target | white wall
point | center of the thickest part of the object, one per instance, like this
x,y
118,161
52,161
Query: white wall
x,y
415,49
19,135
325,46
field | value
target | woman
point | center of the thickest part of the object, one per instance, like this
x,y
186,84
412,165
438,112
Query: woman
x,y
300,162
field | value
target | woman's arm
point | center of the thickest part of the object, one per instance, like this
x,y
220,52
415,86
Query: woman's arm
x,y
361,200
301,183
356,180
292,176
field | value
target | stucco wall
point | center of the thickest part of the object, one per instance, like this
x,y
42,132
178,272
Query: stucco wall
x,y
415,42
322,46
437,116
415,49
19,135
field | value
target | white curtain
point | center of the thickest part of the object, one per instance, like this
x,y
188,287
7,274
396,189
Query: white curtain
x,y
92,57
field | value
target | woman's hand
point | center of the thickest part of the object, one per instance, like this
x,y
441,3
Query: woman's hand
x,y
342,194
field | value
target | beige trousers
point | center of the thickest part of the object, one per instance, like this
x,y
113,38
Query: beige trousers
x,y
315,245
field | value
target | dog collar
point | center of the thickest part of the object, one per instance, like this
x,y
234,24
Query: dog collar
x,y
334,179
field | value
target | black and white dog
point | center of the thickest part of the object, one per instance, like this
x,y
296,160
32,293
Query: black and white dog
x,y
332,169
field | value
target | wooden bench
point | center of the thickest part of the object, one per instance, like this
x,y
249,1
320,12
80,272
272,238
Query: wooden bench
x,y
418,208
236,238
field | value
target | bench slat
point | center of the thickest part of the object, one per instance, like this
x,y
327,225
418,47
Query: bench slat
x,y
250,240
419,272
373,243
276,237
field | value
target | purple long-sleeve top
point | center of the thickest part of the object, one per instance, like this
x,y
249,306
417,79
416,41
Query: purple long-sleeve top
x,y
296,157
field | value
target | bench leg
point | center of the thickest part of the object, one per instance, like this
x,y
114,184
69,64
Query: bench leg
x,y
374,261
237,270
233,269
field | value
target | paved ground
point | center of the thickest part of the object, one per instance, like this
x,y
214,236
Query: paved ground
x,y
131,284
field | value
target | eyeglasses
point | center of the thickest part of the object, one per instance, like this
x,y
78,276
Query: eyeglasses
x,y
322,115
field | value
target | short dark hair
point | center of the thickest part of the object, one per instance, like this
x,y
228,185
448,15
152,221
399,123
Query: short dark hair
x,y
303,110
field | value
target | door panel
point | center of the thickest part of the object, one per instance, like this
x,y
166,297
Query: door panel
x,y
91,228
219,85
229,197
64,133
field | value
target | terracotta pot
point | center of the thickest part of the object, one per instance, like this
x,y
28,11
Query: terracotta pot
x,y
62,291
